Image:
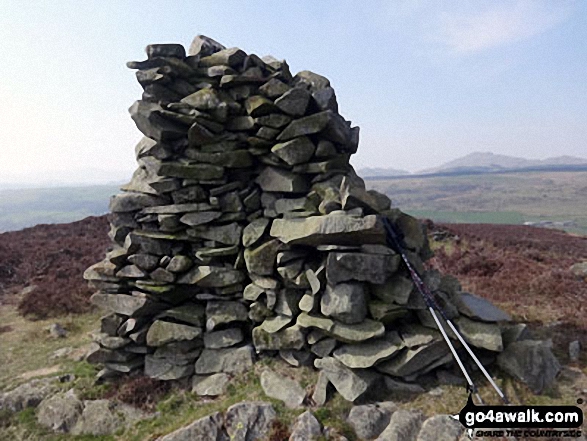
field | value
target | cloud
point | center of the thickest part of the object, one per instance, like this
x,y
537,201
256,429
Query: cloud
x,y
500,24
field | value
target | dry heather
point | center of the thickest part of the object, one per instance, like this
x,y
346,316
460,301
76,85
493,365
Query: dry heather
x,y
52,259
523,269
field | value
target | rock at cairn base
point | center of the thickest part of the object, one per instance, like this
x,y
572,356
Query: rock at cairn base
x,y
245,229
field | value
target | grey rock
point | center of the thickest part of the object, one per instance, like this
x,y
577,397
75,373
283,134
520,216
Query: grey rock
x,y
162,332
228,360
131,272
223,339
222,313
208,428
329,229
279,180
306,428
147,262
394,385
312,80
574,351
258,105
413,360
324,347
396,289
320,394
99,417
229,234
273,120
440,428
57,331
369,353
148,119
132,306
162,275
210,386
531,362
282,388
296,357
261,260
415,335
163,369
297,151
579,269
372,268
200,218
249,421
294,102
481,335
212,277
232,57
254,231
60,412
512,332
179,264
370,420
326,99
274,88
329,124
351,384
200,172
276,323
478,308
288,338
404,425
189,313
345,302
204,46
26,395
129,201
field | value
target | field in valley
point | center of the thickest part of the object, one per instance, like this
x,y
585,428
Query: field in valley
x,y
499,198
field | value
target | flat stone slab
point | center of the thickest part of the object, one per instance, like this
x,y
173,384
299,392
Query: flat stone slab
x,y
332,229
367,354
411,361
162,332
282,388
478,308
210,386
249,421
228,360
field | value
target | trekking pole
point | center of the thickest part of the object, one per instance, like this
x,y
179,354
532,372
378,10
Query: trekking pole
x,y
394,241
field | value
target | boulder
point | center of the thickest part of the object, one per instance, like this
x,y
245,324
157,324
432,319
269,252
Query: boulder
x,y
211,386
306,428
208,428
222,313
99,417
26,395
288,338
60,412
477,308
163,369
282,388
404,425
279,180
479,334
441,428
369,420
249,421
532,362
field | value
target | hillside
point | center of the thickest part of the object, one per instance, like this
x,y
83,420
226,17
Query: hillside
x,y
488,162
504,198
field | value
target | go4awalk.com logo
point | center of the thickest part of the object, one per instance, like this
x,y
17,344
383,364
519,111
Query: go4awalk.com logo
x,y
521,421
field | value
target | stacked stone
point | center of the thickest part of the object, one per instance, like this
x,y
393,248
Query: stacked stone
x,y
245,229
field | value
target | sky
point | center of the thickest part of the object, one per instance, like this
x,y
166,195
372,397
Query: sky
x,y
427,81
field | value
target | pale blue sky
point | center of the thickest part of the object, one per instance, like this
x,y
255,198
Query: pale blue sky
x,y
427,81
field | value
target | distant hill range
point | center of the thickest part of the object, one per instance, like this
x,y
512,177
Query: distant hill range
x,y
479,162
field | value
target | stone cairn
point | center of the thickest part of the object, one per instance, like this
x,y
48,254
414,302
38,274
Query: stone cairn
x,y
246,230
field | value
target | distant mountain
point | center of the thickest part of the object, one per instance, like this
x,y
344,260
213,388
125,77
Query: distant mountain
x,y
377,171
490,162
